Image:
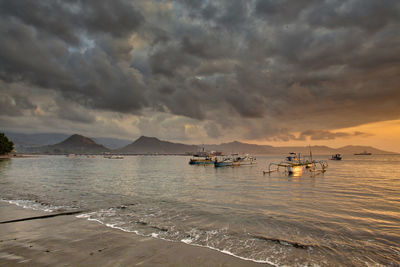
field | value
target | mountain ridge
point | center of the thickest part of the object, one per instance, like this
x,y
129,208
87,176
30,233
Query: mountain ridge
x,y
76,144
145,145
23,141
151,145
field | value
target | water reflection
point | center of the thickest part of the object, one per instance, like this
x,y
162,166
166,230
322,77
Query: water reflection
x,y
336,212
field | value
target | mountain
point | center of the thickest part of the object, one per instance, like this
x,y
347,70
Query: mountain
x,y
24,142
358,149
111,143
53,143
150,145
238,147
77,144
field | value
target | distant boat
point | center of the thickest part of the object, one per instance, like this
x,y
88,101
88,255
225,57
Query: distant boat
x,y
226,161
364,153
247,160
115,157
235,160
336,157
202,158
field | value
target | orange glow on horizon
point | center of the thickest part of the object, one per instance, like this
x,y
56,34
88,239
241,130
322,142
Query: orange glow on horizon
x,y
383,135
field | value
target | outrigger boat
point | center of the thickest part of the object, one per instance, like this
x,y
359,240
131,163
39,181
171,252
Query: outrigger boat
x,y
247,160
295,165
235,160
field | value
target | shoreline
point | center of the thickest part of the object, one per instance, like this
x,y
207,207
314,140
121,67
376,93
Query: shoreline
x,y
76,241
16,155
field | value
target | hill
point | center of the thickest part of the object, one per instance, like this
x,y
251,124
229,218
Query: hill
x,y
151,145
77,144
239,147
25,142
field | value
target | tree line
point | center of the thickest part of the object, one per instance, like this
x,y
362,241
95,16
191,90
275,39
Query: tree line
x,y
6,146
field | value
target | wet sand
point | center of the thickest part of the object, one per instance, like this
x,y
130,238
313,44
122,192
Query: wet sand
x,y
67,240
16,155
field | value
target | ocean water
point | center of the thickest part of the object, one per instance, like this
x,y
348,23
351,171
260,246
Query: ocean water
x,y
347,216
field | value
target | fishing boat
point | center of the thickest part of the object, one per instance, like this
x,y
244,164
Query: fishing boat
x,y
247,160
204,157
235,160
336,157
226,161
201,159
295,165
364,153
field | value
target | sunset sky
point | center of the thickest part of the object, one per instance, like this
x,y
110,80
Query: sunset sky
x,y
259,71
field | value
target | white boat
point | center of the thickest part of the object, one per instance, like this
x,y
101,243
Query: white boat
x,y
247,160
115,157
235,160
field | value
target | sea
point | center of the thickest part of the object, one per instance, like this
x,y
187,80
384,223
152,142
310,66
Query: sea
x,y
347,216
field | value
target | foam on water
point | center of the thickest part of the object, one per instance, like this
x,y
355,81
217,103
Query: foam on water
x,y
33,205
188,241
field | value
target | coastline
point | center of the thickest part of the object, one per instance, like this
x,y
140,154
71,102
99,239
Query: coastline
x,y
68,240
16,155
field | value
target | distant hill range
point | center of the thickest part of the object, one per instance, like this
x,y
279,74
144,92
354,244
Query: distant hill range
x,y
79,144
146,145
76,144
238,147
23,142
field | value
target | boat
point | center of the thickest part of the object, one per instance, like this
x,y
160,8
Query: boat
x,y
247,160
295,165
203,158
235,160
227,161
336,157
115,157
231,160
364,153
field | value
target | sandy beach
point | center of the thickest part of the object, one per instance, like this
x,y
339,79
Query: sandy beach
x,y
15,155
67,240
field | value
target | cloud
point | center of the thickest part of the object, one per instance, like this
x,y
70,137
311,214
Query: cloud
x,y
241,69
328,135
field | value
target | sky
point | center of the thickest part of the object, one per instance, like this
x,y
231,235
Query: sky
x,y
274,72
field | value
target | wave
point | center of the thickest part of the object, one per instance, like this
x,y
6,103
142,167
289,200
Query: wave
x,y
34,205
284,242
194,237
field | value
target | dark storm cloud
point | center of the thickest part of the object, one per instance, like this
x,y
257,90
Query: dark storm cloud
x,y
73,47
14,104
65,19
268,67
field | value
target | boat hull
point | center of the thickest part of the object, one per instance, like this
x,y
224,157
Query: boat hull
x,y
223,164
200,162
